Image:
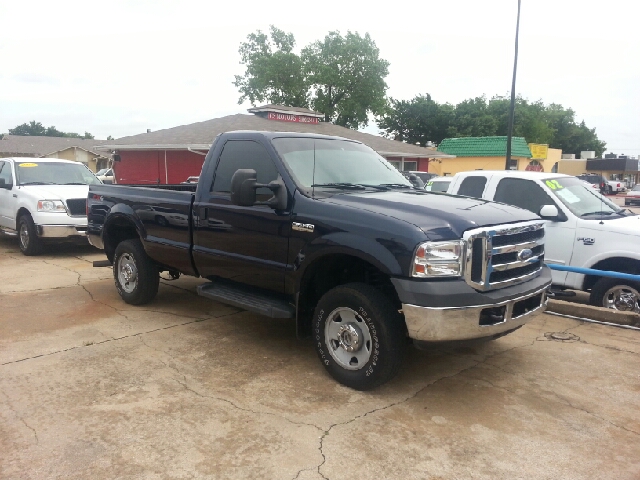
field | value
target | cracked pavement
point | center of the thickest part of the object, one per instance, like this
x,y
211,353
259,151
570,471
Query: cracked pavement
x,y
188,388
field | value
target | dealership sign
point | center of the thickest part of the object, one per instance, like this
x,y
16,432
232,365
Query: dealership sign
x,y
286,117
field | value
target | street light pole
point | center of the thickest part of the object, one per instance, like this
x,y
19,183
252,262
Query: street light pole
x,y
512,107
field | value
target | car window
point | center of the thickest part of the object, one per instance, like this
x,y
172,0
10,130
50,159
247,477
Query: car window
x,y
437,185
5,173
473,186
521,193
238,154
636,188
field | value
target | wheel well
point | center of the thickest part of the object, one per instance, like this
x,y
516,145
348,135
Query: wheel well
x,y
614,264
330,271
118,230
22,211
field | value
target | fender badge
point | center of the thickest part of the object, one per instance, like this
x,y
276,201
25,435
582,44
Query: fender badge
x,y
587,240
303,227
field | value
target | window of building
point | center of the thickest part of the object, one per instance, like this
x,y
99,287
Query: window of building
x,y
472,186
409,166
239,154
522,193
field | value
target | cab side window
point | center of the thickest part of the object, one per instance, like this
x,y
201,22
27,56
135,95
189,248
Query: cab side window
x,y
5,173
238,154
472,186
522,193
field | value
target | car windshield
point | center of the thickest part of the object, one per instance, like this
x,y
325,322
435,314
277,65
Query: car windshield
x,y
581,199
636,188
437,185
324,163
104,171
54,173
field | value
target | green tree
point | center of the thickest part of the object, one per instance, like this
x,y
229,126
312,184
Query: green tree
x,y
340,76
34,128
273,72
346,76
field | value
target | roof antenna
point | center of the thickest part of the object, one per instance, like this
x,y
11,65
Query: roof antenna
x,y
313,176
604,187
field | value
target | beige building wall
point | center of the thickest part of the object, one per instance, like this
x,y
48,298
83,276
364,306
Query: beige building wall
x,y
451,166
572,167
77,155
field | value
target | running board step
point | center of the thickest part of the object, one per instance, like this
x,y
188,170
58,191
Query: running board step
x,y
248,298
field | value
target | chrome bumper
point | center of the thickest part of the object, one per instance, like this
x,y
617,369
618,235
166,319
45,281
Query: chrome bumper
x,y
479,321
61,231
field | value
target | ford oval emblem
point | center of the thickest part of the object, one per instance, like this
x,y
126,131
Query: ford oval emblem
x,y
525,254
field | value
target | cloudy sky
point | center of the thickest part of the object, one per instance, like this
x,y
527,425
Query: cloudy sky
x,y
119,67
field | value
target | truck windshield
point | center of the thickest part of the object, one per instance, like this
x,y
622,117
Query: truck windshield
x,y
337,164
54,173
580,198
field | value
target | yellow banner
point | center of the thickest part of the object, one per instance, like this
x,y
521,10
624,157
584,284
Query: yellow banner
x,y
539,150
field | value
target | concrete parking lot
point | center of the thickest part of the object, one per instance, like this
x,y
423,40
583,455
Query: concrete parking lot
x,y
186,388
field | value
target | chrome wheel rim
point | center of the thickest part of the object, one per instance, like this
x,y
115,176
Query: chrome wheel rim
x,y
348,338
24,236
127,272
623,298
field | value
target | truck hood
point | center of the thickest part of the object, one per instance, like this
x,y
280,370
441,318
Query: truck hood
x,y
625,225
55,192
439,216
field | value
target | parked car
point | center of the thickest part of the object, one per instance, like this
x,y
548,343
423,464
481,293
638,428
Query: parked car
x,y
584,229
606,186
44,200
105,175
438,184
415,180
633,195
325,231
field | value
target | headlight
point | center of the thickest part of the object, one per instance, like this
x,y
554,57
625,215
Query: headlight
x,y
438,259
51,206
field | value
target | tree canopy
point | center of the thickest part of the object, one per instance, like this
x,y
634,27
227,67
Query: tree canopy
x,y
421,119
340,76
34,128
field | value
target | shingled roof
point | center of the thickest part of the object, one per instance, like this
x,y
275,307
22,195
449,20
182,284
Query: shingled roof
x,y
38,146
484,147
201,135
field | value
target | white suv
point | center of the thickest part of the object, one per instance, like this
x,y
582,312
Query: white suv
x,y
43,200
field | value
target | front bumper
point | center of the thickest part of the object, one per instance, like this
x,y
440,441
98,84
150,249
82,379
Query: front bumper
x,y
496,312
61,231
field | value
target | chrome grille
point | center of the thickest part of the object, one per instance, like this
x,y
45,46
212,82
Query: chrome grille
x,y
494,255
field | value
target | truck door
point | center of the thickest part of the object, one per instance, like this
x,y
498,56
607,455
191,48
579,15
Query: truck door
x,y
245,244
559,236
7,200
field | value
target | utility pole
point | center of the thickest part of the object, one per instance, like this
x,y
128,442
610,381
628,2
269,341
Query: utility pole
x,y
512,107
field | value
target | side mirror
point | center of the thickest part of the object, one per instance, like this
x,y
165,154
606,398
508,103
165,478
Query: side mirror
x,y
5,185
244,184
549,212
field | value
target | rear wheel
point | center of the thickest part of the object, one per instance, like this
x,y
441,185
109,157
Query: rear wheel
x,y
136,276
616,294
29,242
359,336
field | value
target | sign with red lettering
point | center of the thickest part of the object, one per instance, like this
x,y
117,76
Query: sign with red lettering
x,y
285,117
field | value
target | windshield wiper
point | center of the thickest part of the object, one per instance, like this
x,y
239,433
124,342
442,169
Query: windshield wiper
x,y
345,185
597,213
394,185
74,183
37,183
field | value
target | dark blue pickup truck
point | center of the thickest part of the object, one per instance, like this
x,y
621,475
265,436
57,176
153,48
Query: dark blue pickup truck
x,y
324,230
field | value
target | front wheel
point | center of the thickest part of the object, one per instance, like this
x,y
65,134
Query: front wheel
x,y
29,241
616,294
359,336
136,276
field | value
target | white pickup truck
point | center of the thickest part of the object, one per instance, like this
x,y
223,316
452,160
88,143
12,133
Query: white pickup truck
x,y
43,200
584,229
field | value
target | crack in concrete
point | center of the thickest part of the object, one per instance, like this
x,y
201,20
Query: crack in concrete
x,y
112,339
24,422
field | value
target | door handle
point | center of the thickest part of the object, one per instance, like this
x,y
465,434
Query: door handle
x,y
15,195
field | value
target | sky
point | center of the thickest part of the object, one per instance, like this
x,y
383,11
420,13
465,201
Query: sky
x,y
121,67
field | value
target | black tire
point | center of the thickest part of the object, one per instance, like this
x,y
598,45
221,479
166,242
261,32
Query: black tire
x,y
378,328
601,298
29,241
609,190
136,276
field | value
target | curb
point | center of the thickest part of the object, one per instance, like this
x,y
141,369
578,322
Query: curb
x,y
594,313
